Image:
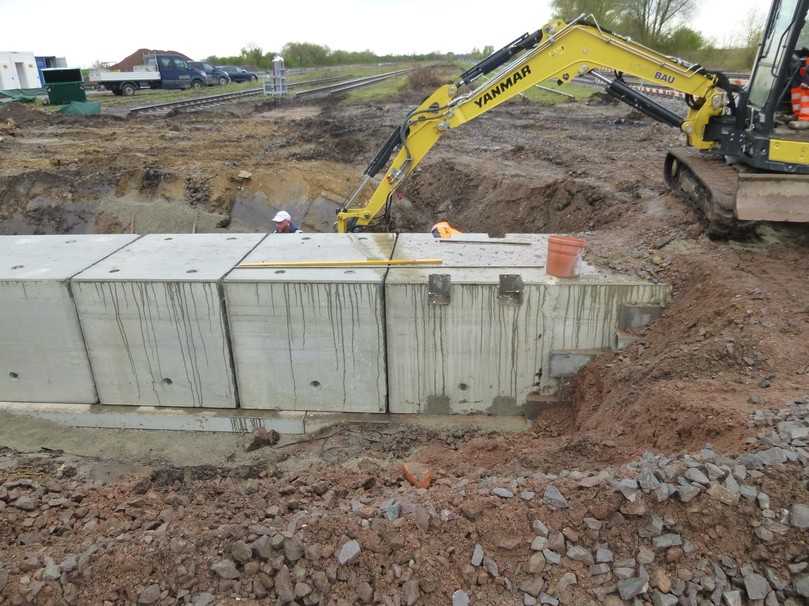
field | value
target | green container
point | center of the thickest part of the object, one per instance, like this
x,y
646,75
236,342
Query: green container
x,y
64,85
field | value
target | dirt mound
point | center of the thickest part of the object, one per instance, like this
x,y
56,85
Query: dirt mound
x,y
471,197
725,347
22,114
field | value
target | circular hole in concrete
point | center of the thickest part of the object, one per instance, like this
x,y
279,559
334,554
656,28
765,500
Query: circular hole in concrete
x,y
13,374
463,386
191,271
70,241
315,383
306,238
280,271
167,381
232,238
114,271
362,238
168,238
350,271
17,266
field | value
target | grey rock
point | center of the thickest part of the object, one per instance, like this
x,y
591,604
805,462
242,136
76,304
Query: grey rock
x,y
623,573
226,569
241,552
553,498
410,592
25,503
262,548
391,509
539,528
688,492
490,566
732,598
580,554
293,550
503,493
775,580
772,456
548,600
568,580
646,555
528,495
627,487
348,553
648,481
150,595
599,569
302,589
791,430
556,540
695,475
365,592
536,563
593,524
632,587
604,555
664,599
802,586
532,586
756,586
763,500
51,571
799,516
740,472
460,598
283,586
667,540
551,556
748,492
528,600
663,492
477,555
202,599
539,543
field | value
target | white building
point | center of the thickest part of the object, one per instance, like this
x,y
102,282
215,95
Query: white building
x,y
18,70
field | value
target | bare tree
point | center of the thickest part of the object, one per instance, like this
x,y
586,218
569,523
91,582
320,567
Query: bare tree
x,y
653,19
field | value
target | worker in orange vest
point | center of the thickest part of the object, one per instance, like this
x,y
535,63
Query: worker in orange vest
x,y
444,230
800,96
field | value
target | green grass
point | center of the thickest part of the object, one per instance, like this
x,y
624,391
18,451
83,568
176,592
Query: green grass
x,y
381,91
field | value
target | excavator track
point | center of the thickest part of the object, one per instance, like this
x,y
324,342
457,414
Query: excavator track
x,y
710,186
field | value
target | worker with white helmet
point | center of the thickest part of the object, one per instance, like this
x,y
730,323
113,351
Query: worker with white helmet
x,y
283,223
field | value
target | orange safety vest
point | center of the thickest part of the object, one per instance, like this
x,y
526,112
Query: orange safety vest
x,y
444,230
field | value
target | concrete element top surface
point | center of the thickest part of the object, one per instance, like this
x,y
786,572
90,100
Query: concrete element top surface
x,y
33,258
475,263
317,247
174,257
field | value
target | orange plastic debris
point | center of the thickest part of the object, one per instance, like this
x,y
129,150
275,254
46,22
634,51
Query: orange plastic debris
x,y
417,474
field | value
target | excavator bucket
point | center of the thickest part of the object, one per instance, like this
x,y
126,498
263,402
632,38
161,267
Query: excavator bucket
x,y
732,198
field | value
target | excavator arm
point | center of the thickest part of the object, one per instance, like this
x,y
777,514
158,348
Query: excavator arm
x,y
559,52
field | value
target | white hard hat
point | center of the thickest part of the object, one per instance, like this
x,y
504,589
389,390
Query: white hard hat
x,y
281,216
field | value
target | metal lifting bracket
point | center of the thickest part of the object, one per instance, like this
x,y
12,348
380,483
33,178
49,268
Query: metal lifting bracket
x,y
510,289
438,289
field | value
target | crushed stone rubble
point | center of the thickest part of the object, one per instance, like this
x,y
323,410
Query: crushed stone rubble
x,y
695,529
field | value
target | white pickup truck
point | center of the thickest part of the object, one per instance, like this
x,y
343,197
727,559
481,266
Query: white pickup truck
x,y
161,71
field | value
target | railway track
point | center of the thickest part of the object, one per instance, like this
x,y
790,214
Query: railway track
x,y
331,88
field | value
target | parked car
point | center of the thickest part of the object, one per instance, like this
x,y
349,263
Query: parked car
x,y
213,75
237,74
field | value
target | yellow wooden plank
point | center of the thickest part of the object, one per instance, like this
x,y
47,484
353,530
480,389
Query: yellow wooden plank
x,y
332,263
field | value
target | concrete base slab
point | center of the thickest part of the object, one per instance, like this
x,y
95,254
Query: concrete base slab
x,y
163,419
155,418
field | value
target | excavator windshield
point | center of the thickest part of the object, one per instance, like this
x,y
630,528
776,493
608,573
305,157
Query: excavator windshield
x,y
774,51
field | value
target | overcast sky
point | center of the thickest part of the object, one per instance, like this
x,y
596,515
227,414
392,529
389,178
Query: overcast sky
x,y
88,30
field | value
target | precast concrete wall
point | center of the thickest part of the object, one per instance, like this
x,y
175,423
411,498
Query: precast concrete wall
x,y
154,321
311,338
42,352
172,321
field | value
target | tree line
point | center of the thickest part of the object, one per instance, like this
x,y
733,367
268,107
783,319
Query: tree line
x,y
660,24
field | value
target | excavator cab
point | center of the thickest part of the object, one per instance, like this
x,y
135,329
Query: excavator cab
x,y
760,137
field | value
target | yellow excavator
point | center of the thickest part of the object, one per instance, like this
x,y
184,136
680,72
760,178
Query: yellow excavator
x,y
743,162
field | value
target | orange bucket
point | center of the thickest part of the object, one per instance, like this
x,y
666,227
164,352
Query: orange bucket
x,y
564,253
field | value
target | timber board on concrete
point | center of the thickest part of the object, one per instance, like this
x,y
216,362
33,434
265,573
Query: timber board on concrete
x,y
42,353
154,322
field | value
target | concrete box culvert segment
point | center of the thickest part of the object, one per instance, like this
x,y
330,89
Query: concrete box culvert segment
x,y
42,353
478,337
311,339
154,322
